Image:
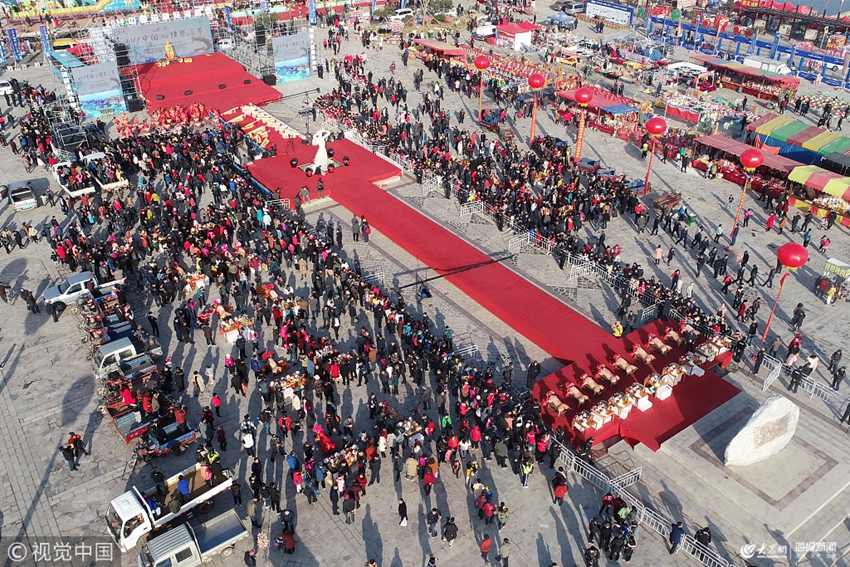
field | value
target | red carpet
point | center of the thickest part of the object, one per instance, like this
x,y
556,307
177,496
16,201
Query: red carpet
x,y
545,320
364,169
202,76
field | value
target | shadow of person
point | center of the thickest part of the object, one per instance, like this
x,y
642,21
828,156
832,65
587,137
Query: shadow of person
x,y
372,537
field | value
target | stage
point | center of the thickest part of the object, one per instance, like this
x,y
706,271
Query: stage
x,y
202,76
532,312
277,174
691,399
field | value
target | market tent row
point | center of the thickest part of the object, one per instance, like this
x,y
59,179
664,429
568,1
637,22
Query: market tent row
x,y
822,180
441,47
733,67
797,140
602,99
735,148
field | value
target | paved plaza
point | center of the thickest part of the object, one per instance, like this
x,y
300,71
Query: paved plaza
x,y
800,496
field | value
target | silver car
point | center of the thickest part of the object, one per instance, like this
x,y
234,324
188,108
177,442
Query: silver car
x,y
21,195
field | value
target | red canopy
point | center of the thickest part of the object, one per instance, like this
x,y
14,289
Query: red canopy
x,y
601,98
440,47
735,148
528,25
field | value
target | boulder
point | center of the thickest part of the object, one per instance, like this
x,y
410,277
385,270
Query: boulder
x,y
767,432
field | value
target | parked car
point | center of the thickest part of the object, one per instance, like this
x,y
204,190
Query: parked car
x,y
21,195
569,7
401,14
6,88
483,32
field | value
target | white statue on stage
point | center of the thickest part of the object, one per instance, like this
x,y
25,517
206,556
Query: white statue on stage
x,y
321,159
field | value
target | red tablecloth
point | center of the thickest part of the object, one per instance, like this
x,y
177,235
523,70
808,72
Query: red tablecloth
x,y
601,127
682,113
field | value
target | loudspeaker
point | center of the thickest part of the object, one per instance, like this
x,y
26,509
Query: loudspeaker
x,y
261,36
222,86
122,55
160,97
187,93
246,82
270,79
135,105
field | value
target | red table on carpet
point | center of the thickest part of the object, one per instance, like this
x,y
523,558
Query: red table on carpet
x,y
691,399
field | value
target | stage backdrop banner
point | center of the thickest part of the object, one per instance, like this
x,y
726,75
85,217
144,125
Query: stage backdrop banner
x,y
291,57
613,13
146,42
99,89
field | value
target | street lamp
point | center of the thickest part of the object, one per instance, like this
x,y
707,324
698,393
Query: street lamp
x,y
655,127
482,62
583,97
792,256
536,82
751,159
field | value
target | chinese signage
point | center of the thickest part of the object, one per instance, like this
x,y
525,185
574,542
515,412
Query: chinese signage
x,y
96,78
14,44
228,15
99,89
291,57
311,12
146,43
613,13
45,39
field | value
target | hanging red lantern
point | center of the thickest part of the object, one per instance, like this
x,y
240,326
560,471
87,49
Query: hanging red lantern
x,y
583,96
792,255
482,62
656,126
536,81
752,158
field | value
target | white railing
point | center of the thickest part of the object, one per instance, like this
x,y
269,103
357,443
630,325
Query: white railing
x,y
649,314
431,184
626,479
374,277
467,209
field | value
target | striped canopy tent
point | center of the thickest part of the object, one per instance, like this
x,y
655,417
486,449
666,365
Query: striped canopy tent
x,y
840,145
792,130
761,120
775,123
822,180
820,141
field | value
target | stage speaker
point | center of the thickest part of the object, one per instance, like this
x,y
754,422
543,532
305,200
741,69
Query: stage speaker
x,y
187,93
160,97
246,82
222,86
270,79
122,55
135,105
261,36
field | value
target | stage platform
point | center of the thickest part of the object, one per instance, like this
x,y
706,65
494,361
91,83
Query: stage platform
x,y
364,169
202,76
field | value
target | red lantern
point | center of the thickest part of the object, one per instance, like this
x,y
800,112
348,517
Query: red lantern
x,y
656,126
584,95
752,158
791,255
482,62
536,81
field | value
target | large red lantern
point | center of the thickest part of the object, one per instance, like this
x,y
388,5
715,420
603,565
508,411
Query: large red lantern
x,y
482,62
752,158
584,96
792,255
536,81
656,126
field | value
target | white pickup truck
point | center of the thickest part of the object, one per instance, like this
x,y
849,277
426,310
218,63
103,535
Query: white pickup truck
x,y
192,544
68,291
135,517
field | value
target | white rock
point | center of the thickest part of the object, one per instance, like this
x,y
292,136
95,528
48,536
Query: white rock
x,y
767,432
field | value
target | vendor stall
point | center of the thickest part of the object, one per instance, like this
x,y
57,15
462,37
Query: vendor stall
x,y
742,78
512,36
432,47
837,268
827,191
